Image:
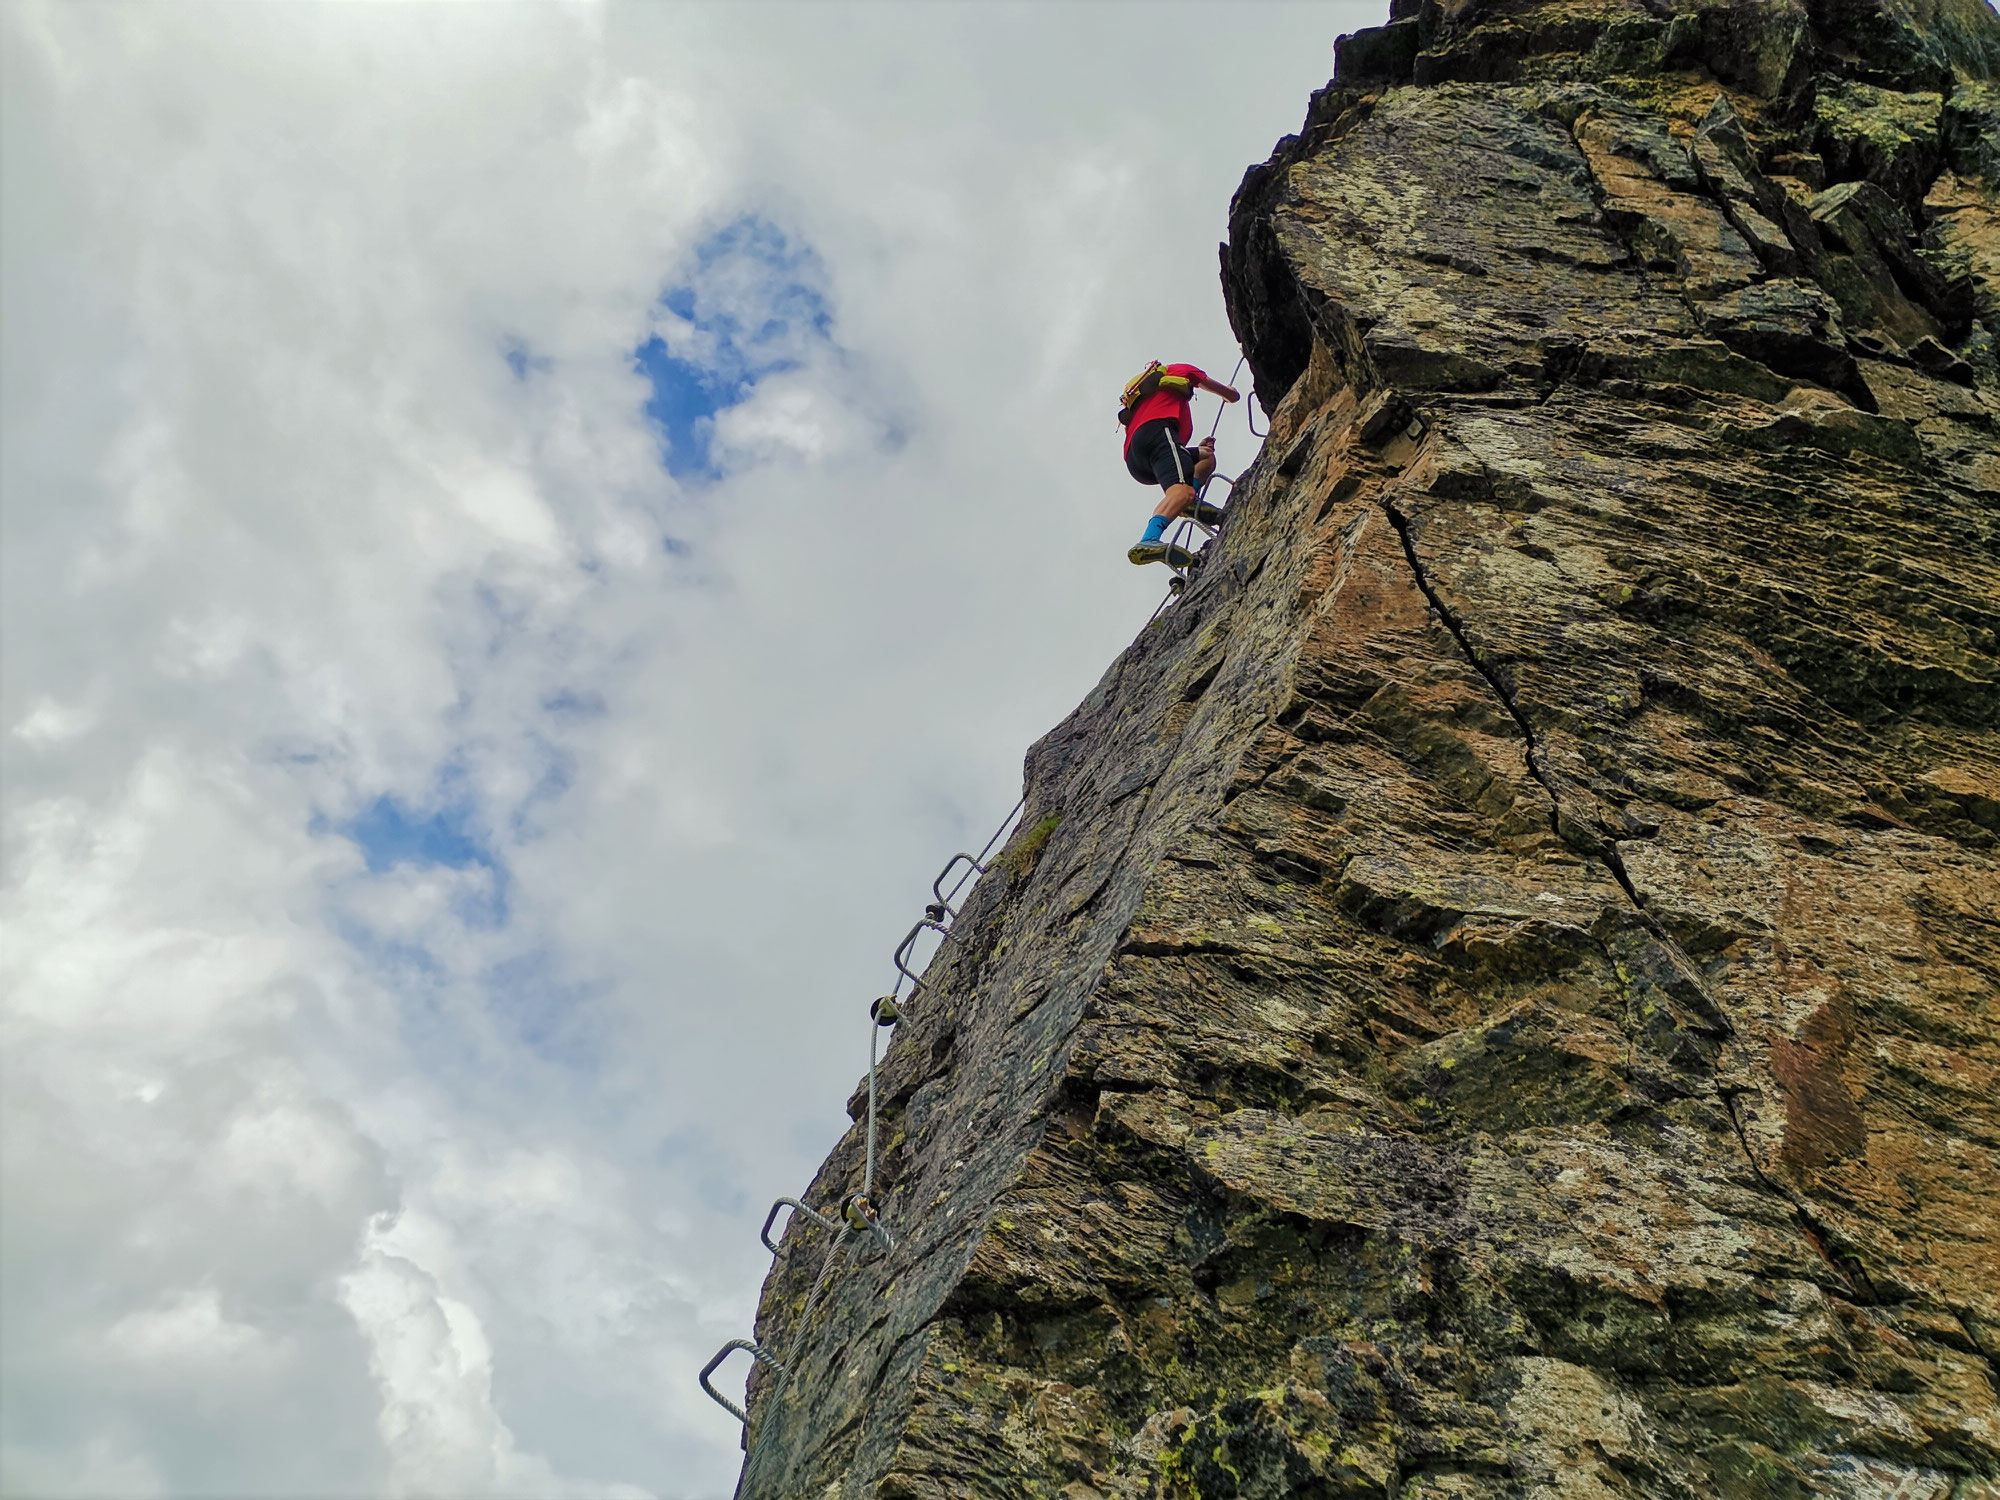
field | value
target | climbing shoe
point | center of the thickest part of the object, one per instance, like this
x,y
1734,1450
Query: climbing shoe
x,y
1174,557
1205,514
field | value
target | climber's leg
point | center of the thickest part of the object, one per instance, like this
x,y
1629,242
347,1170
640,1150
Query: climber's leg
x,y
1155,452
1152,546
1204,513
1173,505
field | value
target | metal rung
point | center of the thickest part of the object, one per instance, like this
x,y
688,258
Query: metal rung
x,y
857,1212
937,886
903,948
757,1352
796,1207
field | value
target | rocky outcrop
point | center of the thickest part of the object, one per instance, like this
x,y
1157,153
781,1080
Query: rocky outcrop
x,y
1496,993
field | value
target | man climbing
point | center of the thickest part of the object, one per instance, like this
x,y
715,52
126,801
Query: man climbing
x,y
1157,427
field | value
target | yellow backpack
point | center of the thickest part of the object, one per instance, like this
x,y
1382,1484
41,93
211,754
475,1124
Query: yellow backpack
x,y
1153,378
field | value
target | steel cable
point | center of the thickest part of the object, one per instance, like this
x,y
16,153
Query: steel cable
x,y
857,1212
753,1466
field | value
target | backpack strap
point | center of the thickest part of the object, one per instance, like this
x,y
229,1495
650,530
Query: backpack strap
x,y
1137,389
1153,378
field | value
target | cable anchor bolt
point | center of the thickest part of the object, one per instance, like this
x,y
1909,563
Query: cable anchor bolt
x,y
886,1012
860,1214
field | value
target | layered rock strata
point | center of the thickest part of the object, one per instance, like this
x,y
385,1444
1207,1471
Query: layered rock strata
x,y
1498,989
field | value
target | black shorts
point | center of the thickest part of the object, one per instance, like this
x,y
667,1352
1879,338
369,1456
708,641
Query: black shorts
x,y
1156,458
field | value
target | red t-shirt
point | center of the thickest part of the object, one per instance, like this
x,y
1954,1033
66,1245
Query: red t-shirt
x,y
1164,403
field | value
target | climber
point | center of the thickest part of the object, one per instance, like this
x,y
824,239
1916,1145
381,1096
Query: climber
x,y
1157,424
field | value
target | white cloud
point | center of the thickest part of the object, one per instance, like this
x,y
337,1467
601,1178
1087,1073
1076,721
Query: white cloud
x,y
502,503
435,1370
285,1141
48,722
189,1337
97,1467
461,1156
796,417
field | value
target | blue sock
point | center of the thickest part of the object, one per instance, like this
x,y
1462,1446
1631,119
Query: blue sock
x,y
1155,529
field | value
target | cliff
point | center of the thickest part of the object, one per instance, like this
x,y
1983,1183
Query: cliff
x,y
1495,991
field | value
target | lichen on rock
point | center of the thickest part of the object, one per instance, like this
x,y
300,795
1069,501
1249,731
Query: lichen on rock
x,y
1502,998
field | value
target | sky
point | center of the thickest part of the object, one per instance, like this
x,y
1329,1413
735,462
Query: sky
x,y
528,533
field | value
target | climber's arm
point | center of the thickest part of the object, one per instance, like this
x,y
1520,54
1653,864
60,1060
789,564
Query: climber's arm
x,y
1217,388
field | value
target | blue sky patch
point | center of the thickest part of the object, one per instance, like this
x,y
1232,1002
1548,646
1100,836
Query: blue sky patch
x,y
553,1017
569,703
750,306
685,399
522,360
390,834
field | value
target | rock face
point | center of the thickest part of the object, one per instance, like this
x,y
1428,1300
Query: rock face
x,y
1498,991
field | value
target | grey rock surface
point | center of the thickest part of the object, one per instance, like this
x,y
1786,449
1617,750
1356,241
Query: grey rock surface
x,y
1495,990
